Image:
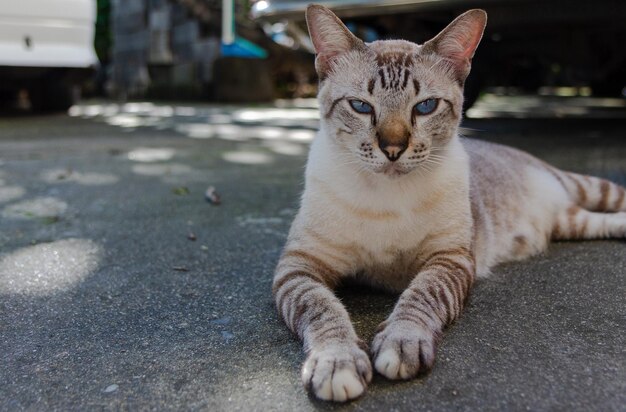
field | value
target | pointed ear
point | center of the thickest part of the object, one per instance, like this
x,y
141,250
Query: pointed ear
x,y
331,38
458,42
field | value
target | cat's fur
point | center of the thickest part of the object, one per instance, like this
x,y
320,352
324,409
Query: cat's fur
x,y
425,224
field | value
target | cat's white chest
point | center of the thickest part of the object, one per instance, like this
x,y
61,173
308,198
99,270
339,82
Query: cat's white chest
x,y
382,225
377,225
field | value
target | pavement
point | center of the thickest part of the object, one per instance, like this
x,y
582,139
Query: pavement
x,y
122,288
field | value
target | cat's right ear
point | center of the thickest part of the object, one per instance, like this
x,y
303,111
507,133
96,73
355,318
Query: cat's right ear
x,y
458,42
330,37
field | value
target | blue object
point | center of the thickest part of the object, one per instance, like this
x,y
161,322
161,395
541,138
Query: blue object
x,y
361,107
243,48
427,106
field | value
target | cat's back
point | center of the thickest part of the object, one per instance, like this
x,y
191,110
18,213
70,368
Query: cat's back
x,y
497,158
497,170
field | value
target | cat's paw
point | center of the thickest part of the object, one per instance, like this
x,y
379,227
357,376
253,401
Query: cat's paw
x,y
337,372
402,349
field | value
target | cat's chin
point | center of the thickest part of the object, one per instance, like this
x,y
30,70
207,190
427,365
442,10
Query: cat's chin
x,y
393,170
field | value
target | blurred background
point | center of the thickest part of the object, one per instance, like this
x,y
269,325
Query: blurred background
x,y
53,51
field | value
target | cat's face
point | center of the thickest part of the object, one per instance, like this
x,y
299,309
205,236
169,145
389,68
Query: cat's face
x,y
390,106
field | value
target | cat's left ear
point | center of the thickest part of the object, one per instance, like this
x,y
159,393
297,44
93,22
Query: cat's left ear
x,y
331,38
458,42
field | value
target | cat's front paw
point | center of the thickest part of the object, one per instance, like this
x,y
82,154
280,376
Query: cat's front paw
x,y
402,349
337,372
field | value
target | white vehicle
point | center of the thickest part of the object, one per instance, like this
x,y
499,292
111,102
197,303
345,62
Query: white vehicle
x,y
46,48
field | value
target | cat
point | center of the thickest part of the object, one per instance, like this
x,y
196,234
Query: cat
x,y
394,198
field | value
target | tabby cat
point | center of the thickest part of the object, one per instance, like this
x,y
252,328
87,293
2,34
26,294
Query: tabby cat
x,y
395,199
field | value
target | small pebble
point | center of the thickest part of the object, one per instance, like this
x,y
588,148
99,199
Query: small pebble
x,y
221,321
192,236
212,196
111,388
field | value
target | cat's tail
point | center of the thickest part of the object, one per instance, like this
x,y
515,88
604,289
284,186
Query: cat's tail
x,y
593,193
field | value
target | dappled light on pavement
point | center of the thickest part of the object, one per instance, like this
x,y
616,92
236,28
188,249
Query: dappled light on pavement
x,y
40,207
534,107
9,193
48,268
87,179
250,158
151,154
235,123
153,169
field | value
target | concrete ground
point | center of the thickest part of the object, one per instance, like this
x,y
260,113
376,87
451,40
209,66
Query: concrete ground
x,y
122,288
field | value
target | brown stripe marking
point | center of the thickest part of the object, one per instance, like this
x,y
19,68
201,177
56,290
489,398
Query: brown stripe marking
x,y
450,108
456,269
605,189
621,192
582,193
359,211
295,303
337,328
571,221
426,298
448,265
416,86
332,106
383,82
456,290
454,265
370,86
406,79
288,291
460,251
557,231
432,291
318,265
456,287
410,307
582,228
554,172
344,249
279,282
294,320
443,298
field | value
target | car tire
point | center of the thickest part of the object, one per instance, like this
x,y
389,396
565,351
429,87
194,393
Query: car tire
x,y
52,97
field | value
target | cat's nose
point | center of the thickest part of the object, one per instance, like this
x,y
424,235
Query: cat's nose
x,y
393,137
393,152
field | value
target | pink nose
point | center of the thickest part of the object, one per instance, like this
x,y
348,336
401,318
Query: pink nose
x,y
393,152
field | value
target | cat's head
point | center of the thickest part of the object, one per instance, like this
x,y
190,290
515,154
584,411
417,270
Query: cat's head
x,y
392,104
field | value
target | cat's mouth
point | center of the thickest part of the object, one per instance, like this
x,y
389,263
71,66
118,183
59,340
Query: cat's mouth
x,y
393,170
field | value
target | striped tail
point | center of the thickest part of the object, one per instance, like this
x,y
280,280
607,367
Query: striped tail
x,y
592,193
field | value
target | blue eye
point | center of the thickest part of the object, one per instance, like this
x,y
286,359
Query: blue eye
x,y
361,107
427,106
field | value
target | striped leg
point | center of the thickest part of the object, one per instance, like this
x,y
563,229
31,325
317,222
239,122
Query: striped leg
x,y
578,223
407,340
594,193
337,366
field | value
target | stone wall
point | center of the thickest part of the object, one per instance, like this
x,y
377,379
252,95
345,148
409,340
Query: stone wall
x,y
164,48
